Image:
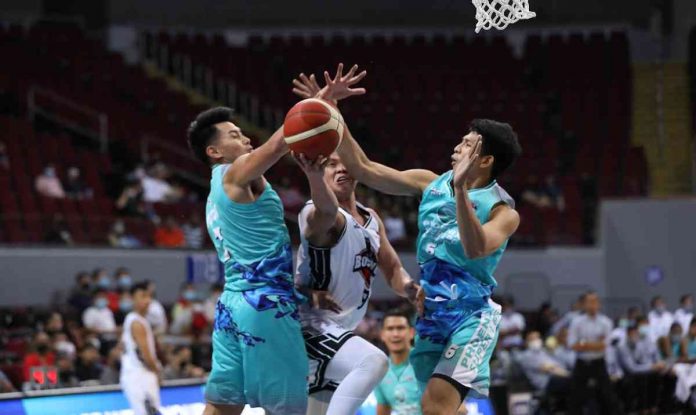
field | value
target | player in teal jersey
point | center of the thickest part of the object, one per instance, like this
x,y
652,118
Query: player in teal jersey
x,y
465,220
398,393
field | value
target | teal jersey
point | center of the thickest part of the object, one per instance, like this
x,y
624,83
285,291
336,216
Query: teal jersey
x,y
399,390
438,236
251,239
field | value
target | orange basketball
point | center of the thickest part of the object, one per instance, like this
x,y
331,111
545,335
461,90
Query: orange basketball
x,y
313,127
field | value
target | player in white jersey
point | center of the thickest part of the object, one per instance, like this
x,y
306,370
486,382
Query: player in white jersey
x,y
140,369
343,242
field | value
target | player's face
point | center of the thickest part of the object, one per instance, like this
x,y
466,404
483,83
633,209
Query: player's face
x,y
336,175
397,334
230,143
141,300
464,146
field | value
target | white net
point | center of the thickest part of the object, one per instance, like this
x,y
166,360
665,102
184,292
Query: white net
x,y
500,13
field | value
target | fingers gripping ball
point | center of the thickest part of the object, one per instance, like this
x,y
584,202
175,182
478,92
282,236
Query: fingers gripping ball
x,y
313,127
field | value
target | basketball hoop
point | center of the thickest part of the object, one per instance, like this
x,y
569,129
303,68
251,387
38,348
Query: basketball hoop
x,y
500,13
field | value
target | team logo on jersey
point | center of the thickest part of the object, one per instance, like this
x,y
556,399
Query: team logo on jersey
x,y
365,263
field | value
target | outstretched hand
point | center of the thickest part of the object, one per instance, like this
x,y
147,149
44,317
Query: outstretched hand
x,y
311,167
335,89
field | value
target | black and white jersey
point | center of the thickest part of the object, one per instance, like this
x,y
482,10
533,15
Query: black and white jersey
x,y
346,269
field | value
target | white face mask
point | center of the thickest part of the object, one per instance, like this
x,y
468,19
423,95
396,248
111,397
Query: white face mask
x,y
65,347
535,344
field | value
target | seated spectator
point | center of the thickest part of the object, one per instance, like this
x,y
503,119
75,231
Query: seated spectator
x,y
670,346
75,187
130,202
660,318
193,232
48,184
155,186
63,346
187,312
54,324
564,322
643,370
88,366
512,325
119,238
67,378
394,224
123,279
169,235
5,385
40,354
99,318
546,318
100,279
156,315
562,352
543,195
544,372
125,306
81,294
688,346
685,313
112,368
180,366
4,157
210,304
58,233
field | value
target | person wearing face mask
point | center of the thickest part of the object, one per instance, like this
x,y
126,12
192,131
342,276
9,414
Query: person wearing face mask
x,y
156,315
125,305
99,318
124,281
685,313
66,371
62,345
40,354
670,346
183,310
543,371
512,324
643,370
48,184
659,317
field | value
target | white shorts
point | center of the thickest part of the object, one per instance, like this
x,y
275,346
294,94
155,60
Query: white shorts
x,y
142,391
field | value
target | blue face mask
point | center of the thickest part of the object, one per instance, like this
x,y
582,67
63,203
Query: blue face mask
x,y
624,323
125,305
101,303
104,283
644,331
125,281
190,295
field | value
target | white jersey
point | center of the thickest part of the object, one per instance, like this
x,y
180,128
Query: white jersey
x,y
132,359
346,269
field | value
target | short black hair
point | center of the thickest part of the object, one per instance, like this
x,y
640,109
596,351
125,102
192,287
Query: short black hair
x,y
399,312
642,319
140,286
685,297
202,130
632,327
499,141
653,301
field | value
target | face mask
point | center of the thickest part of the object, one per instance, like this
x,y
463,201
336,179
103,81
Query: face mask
x,y
104,283
65,347
660,309
189,295
535,344
125,281
125,305
644,331
101,303
624,323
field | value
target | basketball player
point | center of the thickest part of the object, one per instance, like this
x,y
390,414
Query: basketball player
x,y
398,393
343,242
465,221
140,369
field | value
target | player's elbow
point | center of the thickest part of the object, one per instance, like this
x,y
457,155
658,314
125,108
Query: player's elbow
x,y
474,252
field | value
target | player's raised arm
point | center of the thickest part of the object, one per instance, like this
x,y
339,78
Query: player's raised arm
x,y
253,165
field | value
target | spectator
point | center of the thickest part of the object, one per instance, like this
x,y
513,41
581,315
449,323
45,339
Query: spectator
x,y
170,235
575,310
5,385
74,187
87,366
394,225
552,194
685,313
544,372
58,233
512,325
588,335
123,279
100,279
210,304
184,311
688,346
81,294
193,232
130,202
180,366
4,161
67,378
54,324
670,346
125,305
63,346
111,371
155,186
156,315
118,238
292,199
546,318
40,354
48,184
660,319
99,318
643,368
562,352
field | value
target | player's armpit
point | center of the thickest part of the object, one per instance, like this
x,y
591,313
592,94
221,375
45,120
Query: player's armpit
x,y
502,224
252,166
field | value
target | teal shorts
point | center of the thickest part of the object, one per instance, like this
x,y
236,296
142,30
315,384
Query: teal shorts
x,y
461,353
259,357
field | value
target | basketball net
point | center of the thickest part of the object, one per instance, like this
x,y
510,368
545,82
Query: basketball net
x,y
500,13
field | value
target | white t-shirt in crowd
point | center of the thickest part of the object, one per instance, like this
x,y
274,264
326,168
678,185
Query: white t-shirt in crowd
x,y
683,317
660,322
99,319
154,190
511,321
157,317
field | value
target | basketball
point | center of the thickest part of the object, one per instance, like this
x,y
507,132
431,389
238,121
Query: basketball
x,y
313,127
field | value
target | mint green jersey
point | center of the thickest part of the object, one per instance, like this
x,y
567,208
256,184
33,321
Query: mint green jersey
x,y
399,390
